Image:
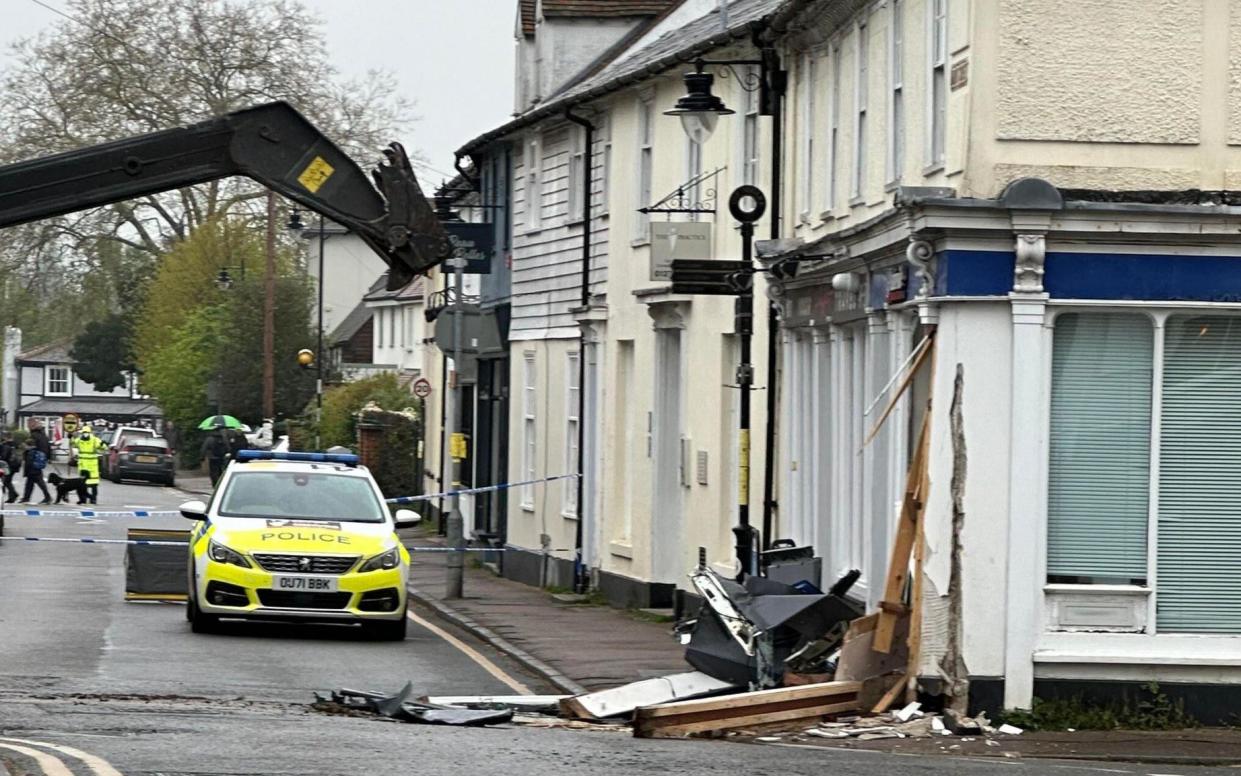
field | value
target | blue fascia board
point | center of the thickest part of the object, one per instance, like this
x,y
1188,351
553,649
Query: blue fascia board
x,y
1120,276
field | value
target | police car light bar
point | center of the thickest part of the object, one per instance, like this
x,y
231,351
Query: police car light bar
x,y
348,459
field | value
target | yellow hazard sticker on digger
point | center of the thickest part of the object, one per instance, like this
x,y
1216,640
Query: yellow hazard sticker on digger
x,y
316,174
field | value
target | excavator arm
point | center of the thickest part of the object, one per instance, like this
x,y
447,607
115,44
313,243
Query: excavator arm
x,y
272,144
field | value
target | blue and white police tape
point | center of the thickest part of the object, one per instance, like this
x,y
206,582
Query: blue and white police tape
x,y
484,489
89,540
89,513
156,542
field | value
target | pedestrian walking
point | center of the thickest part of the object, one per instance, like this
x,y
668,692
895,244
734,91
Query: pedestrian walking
x,y
215,450
39,435
34,461
89,449
236,442
11,456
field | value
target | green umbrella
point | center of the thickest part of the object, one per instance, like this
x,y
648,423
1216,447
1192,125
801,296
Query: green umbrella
x,y
219,421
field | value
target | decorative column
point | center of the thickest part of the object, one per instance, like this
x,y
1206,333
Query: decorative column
x,y
825,453
1027,457
921,254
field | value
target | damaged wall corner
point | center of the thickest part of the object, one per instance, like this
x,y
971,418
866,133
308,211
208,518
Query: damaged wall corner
x,y
952,663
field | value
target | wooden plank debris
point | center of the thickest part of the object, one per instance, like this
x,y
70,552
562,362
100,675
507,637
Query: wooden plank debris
x,y
925,348
648,692
891,607
790,705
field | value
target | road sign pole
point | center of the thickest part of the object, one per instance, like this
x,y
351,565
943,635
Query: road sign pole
x,y
746,204
456,524
744,325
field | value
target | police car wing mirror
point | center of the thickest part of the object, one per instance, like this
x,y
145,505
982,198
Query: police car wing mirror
x,y
194,510
407,518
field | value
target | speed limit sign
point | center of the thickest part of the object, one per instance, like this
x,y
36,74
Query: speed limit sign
x,y
422,387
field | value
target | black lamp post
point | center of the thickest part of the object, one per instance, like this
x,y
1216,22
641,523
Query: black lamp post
x,y
699,111
295,225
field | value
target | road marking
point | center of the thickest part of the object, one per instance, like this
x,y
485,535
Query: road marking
x,y
98,765
50,766
472,654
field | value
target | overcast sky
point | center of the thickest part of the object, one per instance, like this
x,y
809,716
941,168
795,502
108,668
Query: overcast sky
x,y
453,57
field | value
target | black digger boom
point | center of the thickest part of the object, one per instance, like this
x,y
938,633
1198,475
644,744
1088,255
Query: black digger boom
x,y
272,144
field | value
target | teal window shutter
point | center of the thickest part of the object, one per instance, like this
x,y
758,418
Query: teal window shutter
x,y
1199,547
1099,475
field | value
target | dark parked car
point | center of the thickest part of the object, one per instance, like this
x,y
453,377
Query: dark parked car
x,y
144,458
116,439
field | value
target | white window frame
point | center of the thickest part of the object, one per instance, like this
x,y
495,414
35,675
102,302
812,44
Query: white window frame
x,y
533,174
646,164
48,380
809,66
896,95
937,84
529,436
572,422
833,129
861,101
577,157
693,168
750,130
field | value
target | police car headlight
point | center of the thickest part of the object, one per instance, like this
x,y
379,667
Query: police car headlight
x,y
221,554
388,560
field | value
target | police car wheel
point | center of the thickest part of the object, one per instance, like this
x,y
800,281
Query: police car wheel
x,y
200,622
388,630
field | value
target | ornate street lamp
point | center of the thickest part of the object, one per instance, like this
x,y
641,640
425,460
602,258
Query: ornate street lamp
x,y
699,109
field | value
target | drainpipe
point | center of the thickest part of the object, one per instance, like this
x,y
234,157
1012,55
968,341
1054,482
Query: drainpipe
x,y
776,82
579,568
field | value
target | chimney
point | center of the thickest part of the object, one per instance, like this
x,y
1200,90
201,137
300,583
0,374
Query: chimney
x,y
9,397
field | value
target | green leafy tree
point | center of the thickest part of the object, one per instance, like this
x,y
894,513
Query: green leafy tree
x,y
241,357
101,354
342,403
178,372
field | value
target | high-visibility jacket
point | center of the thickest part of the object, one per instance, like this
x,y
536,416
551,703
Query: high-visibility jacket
x,y
89,450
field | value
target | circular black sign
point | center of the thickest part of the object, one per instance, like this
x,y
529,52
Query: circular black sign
x,y
736,203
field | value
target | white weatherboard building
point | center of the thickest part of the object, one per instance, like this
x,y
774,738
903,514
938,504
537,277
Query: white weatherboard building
x,y
1051,190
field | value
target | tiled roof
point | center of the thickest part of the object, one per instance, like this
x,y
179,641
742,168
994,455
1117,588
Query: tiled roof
x,y
604,7
51,353
673,48
525,12
355,320
93,406
378,292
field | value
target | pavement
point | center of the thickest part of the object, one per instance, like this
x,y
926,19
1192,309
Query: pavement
x,y
194,481
575,646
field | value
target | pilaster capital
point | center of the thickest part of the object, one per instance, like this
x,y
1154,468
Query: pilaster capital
x,y
1028,269
921,254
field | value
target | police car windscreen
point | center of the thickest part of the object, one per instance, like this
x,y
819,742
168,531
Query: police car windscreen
x,y
303,495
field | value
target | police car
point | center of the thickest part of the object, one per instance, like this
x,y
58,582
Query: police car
x,y
303,536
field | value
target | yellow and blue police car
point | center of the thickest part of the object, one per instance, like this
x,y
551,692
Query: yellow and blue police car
x,y
302,536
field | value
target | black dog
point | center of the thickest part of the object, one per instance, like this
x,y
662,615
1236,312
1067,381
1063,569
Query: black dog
x,y
65,486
